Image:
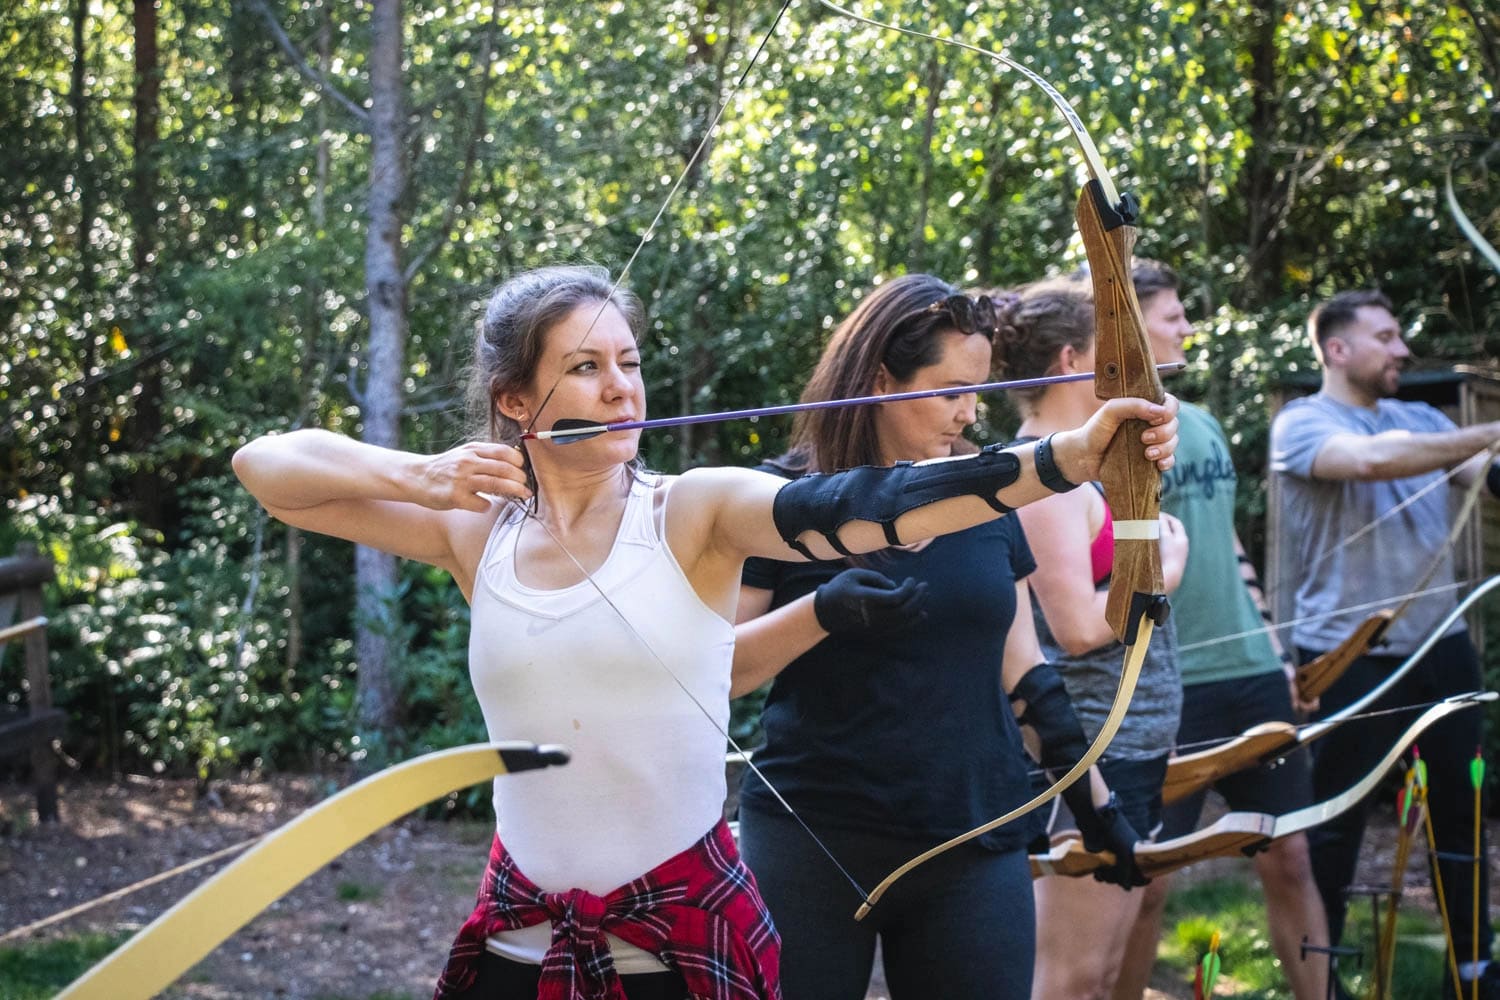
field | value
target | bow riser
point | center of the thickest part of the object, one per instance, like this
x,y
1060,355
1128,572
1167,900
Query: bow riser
x,y
1317,675
1234,835
1190,772
1132,485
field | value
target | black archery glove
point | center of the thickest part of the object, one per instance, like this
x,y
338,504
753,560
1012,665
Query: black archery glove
x,y
1049,712
1105,828
861,601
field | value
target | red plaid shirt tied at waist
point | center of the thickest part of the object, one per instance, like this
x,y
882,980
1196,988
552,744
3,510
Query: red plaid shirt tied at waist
x,y
699,912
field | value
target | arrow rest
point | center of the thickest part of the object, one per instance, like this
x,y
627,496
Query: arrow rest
x,y
1152,606
1125,212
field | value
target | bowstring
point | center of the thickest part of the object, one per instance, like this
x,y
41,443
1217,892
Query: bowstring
x,y
588,331
661,212
743,754
1321,616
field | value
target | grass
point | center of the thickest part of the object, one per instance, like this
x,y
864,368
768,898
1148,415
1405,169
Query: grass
x,y
1234,908
355,892
37,970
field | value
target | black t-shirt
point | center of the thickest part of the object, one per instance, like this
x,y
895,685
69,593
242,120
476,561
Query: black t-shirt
x,y
907,734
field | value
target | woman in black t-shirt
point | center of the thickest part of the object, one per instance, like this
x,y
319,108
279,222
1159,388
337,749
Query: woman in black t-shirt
x,y
887,726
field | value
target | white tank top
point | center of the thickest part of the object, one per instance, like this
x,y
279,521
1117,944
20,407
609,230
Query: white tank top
x,y
646,778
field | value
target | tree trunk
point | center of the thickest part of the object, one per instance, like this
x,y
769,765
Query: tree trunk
x,y
1260,188
147,115
312,364
385,287
988,244
147,495
918,248
86,445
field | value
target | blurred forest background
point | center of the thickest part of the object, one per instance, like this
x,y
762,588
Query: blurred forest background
x,y
220,218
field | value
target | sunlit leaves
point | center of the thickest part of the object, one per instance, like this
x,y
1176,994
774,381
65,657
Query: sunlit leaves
x,y
1265,191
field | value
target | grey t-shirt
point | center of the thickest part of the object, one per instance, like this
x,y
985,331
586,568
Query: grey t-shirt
x,y
1339,582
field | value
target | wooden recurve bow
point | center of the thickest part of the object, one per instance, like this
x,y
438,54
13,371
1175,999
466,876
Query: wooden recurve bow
x,y
1243,833
175,941
1188,773
1132,485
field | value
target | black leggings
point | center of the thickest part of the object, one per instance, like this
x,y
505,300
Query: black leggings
x,y
961,927
503,979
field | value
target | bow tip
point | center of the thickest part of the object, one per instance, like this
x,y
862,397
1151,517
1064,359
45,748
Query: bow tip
x,y
530,757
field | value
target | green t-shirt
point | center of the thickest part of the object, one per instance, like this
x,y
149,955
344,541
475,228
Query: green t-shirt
x,y
1212,601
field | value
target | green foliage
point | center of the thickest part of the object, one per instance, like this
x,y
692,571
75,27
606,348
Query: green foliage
x,y
1280,152
356,892
35,971
154,655
1236,910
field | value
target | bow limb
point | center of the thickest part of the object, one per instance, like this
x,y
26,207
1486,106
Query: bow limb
x,y
1371,696
1306,819
1246,833
1318,674
1135,655
1188,773
1467,227
175,941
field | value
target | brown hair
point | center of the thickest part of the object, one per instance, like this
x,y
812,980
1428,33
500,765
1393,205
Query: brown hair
x,y
892,327
1151,277
1328,319
509,341
1036,322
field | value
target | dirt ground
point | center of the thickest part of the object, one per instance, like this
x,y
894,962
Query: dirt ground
x,y
376,922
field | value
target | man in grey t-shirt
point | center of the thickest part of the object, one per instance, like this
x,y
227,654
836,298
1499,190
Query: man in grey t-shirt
x,y
1350,456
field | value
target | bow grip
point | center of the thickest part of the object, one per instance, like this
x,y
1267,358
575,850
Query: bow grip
x,y
1123,366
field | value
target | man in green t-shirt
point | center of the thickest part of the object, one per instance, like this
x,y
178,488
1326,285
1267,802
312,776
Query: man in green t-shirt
x,y
1234,674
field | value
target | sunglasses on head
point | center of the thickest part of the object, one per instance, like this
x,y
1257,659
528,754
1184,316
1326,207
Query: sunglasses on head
x,y
969,314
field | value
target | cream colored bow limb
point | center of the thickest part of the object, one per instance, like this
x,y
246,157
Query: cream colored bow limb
x,y
175,941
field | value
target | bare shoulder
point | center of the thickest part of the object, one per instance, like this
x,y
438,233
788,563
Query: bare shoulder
x,y
468,533
714,490
723,508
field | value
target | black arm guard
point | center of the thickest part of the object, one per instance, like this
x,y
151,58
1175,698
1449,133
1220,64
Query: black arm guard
x,y
826,502
1050,712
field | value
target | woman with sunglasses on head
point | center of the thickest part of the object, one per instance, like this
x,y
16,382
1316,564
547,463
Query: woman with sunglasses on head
x,y
1047,328
888,727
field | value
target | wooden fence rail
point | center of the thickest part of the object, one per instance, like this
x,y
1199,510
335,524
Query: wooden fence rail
x,y
35,727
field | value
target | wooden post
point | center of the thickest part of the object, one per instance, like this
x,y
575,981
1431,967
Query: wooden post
x,y
43,759
24,575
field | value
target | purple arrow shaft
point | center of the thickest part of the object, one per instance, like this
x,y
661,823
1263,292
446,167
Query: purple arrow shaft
x,y
825,404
